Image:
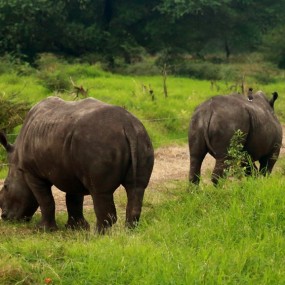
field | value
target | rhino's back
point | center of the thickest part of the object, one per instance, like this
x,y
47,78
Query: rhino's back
x,y
220,114
54,118
54,110
235,112
75,139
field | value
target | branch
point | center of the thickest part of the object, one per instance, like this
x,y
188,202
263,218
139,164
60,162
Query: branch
x,y
79,90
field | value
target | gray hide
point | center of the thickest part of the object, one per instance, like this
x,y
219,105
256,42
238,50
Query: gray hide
x,y
215,121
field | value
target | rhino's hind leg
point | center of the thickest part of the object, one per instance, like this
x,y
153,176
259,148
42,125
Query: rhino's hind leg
x,y
134,206
105,211
218,171
266,164
74,204
195,168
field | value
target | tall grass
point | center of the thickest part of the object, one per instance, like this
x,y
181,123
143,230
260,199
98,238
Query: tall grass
x,y
228,235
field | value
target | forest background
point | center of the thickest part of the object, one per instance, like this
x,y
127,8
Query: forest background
x,y
125,31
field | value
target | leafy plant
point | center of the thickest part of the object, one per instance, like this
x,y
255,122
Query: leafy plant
x,y
12,112
238,162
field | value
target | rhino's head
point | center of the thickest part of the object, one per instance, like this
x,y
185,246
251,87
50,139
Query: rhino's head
x,y
16,199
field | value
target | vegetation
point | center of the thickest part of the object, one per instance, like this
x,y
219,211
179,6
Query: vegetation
x,y
12,112
239,162
128,30
166,119
232,234
229,235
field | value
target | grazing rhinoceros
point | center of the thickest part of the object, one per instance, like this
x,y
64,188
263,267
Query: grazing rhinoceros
x,y
85,147
215,121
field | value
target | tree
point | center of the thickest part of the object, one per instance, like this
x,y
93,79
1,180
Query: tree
x,y
274,46
125,28
229,25
29,27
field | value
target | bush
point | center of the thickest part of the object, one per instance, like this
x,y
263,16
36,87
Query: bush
x,y
273,46
50,72
200,70
12,113
239,162
145,67
55,80
170,58
13,64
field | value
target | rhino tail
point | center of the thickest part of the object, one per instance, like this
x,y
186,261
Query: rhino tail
x,y
3,140
133,144
207,122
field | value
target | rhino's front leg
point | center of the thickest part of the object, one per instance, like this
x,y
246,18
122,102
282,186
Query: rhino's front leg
x,y
42,192
74,204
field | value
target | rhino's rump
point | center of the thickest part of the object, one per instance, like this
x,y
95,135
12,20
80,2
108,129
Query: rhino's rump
x,y
72,146
220,117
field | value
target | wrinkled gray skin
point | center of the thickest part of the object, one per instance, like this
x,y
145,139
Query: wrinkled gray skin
x,y
84,147
215,121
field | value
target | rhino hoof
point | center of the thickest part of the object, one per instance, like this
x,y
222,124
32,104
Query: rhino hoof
x,y
47,227
78,225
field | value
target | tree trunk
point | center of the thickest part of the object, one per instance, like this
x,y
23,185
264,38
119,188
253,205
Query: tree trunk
x,y
108,13
227,49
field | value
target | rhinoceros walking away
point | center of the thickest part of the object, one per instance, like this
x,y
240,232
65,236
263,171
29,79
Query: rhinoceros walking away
x,y
215,121
84,147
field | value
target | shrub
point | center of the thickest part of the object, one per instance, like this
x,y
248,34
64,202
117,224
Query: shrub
x,y
12,113
199,70
55,80
50,73
13,64
239,162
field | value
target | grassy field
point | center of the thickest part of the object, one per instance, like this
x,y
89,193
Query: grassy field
x,y
165,118
228,235
232,234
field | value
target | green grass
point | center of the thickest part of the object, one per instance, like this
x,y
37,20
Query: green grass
x,y
166,119
232,234
228,235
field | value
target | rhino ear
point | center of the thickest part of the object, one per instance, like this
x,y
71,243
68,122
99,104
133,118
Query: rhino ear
x,y
5,143
273,99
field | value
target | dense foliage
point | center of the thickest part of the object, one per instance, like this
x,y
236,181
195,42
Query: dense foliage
x,y
128,28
